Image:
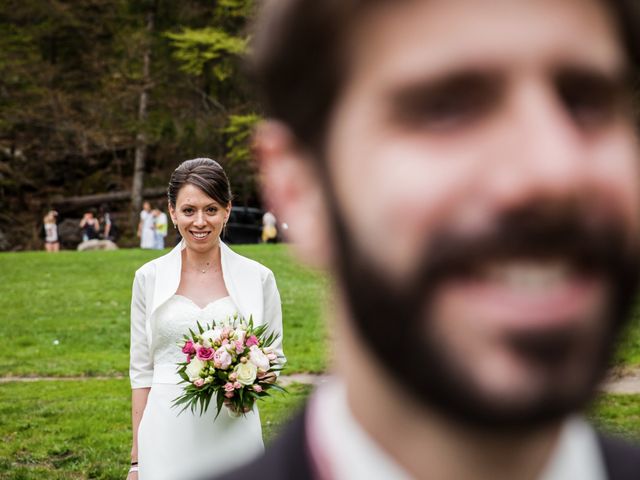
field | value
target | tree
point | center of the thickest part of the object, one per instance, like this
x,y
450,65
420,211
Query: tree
x,y
141,136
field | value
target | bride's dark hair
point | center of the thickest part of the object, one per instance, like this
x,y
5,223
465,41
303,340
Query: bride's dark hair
x,y
204,173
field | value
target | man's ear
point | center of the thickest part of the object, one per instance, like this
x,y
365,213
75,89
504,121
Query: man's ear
x,y
292,190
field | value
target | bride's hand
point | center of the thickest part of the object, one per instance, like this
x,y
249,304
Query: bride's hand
x,y
270,377
233,409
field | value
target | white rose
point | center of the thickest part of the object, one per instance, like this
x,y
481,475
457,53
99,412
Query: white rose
x,y
212,336
194,368
247,373
259,359
239,335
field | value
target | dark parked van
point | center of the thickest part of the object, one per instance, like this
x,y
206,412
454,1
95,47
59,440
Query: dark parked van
x,y
244,225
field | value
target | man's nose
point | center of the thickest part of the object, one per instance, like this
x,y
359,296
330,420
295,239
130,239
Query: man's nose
x,y
548,153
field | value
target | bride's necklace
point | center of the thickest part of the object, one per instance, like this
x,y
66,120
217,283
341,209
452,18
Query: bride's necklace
x,y
204,268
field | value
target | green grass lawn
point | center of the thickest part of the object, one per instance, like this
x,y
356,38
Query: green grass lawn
x,y
619,415
81,429
68,314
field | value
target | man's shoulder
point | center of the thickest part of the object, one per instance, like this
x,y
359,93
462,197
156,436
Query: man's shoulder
x,y
287,458
621,458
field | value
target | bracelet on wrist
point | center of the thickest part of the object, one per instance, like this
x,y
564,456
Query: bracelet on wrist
x,y
134,463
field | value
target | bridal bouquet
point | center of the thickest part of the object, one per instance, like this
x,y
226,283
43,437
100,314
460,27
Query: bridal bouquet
x,y
233,362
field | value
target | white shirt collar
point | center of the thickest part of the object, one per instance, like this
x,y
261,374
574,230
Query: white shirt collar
x,y
342,449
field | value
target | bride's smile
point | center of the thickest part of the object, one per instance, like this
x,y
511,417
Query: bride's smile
x,y
199,218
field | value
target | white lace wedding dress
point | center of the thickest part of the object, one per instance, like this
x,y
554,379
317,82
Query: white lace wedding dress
x,y
189,446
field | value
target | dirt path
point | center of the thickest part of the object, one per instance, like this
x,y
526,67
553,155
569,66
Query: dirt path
x,y
626,381
619,382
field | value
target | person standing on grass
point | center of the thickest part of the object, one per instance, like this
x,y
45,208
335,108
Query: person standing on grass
x,y
146,227
51,239
200,280
161,228
468,171
109,230
269,228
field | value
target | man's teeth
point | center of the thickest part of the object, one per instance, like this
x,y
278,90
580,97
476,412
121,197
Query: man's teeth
x,y
529,275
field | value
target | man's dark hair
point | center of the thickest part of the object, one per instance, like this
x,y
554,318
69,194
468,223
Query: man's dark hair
x,y
299,58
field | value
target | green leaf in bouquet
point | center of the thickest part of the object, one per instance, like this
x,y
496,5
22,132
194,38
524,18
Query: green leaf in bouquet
x,y
270,339
183,400
276,387
258,331
200,329
193,334
202,399
207,401
183,375
219,402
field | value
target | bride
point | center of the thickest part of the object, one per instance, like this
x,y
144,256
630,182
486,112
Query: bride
x,y
200,280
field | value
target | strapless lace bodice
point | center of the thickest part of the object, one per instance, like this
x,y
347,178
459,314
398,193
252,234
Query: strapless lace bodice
x,y
174,319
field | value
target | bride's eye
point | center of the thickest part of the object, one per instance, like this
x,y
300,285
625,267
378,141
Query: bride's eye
x,y
187,211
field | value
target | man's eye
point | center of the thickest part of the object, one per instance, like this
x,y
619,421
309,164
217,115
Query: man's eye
x,y
450,111
456,102
589,108
590,100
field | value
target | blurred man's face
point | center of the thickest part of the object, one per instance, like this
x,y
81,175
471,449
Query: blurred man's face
x,y
483,165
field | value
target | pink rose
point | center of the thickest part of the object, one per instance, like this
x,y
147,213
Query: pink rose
x,y
229,394
188,358
237,385
252,340
189,348
228,387
239,347
199,382
233,376
257,388
205,353
222,359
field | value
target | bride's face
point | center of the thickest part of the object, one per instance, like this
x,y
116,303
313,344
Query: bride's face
x,y
199,218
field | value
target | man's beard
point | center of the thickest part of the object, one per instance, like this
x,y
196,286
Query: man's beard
x,y
388,313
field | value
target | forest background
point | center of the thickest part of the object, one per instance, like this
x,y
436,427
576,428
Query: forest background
x,y
101,99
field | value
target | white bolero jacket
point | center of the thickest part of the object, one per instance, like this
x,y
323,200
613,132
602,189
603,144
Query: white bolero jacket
x,y
251,286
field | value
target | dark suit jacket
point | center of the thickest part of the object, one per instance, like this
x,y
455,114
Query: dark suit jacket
x,y
287,458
